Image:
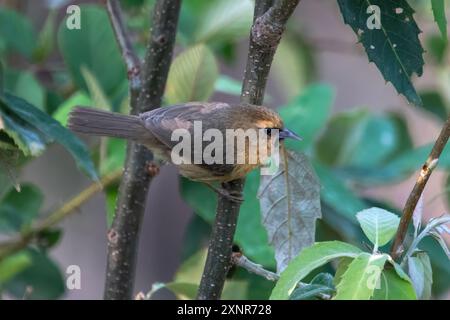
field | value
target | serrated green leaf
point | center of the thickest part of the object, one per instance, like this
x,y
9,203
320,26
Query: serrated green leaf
x,y
438,7
43,124
421,274
192,76
18,209
12,265
361,277
94,47
17,32
393,287
290,205
308,260
379,225
394,47
307,113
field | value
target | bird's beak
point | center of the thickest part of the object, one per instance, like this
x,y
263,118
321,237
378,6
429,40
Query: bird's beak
x,y
286,133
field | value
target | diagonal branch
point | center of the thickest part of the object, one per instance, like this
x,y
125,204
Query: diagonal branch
x,y
29,235
268,26
124,233
129,56
414,196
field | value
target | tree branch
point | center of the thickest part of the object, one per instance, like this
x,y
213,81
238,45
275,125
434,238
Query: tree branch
x,y
414,196
242,261
129,56
239,260
268,26
12,246
124,233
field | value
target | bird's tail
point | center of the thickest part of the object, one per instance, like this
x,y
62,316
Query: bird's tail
x,y
105,123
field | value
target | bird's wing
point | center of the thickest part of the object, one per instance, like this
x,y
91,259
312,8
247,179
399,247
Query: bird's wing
x,y
163,121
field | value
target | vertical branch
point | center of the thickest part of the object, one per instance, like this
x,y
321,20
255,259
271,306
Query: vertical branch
x,y
268,26
146,90
416,192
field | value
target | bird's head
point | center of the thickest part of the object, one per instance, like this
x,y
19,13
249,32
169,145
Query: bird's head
x,y
258,117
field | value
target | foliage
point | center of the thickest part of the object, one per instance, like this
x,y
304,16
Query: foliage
x,y
341,152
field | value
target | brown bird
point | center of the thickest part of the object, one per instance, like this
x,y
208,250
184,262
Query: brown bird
x,y
154,129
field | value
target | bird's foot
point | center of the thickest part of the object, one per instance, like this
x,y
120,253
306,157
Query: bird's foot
x,y
227,194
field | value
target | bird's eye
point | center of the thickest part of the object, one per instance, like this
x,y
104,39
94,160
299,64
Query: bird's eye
x,y
268,131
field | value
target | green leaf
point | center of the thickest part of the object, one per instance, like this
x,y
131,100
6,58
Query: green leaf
x,y
18,209
96,93
115,156
438,7
24,84
310,292
308,260
393,287
77,99
306,114
190,272
293,65
436,47
434,103
440,265
46,39
421,274
192,76
394,47
321,285
341,268
51,130
2,79
336,194
379,225
182,290
17,32
359,140
361,277
224,20
13,265
111,200
228,85
94,47
41,280
250,233
290,205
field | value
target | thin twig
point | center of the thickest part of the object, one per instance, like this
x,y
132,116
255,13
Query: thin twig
x,y
242,261
238,259
268,26
129,56
124,233
414,196
12,246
